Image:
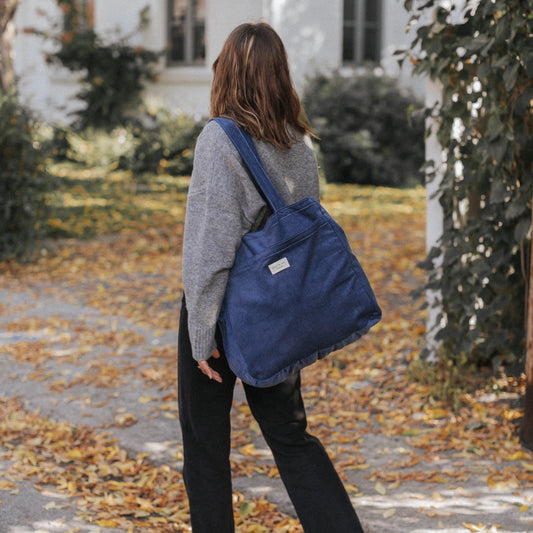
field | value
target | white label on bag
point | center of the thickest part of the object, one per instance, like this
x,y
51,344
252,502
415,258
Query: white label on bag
x,y
278,266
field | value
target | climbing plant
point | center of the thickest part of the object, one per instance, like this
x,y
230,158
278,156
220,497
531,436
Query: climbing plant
x,y
483,58
113,73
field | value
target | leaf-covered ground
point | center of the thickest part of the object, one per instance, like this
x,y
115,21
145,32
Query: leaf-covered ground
x,y
88,414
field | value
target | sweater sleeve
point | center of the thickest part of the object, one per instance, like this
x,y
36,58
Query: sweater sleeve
x,y
222,204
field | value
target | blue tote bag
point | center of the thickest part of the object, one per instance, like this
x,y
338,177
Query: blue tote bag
x,y
296,292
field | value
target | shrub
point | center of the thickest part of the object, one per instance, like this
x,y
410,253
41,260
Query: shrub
x,y
113,79
22,179
113,74
369,133
167,146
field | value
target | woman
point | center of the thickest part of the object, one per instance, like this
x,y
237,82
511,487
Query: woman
x,y
252,86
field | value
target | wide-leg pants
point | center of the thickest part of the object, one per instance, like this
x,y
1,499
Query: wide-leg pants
x,y
314,487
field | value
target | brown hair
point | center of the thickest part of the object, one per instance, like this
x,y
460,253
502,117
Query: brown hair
x,y
252,86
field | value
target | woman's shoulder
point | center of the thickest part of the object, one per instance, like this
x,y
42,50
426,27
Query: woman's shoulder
x,y
213,135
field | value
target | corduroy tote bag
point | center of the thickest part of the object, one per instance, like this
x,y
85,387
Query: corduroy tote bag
x,y
296,292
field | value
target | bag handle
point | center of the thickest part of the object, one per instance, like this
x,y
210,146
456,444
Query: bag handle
x,y
244,144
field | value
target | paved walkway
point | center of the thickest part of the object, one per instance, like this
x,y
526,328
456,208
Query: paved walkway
x,y
71,362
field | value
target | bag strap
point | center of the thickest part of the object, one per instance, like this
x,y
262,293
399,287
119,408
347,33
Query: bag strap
x,y
245,146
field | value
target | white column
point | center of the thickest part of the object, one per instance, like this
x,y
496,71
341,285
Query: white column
x,y
434,214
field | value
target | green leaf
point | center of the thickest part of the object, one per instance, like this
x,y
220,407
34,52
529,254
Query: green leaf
x,y
498,192
509,77
516,208
522,230
494,127
246,508
497,149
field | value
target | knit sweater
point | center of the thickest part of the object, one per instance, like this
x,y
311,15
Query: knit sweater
x,y
222,206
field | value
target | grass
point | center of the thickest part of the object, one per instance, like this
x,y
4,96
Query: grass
x,y
90,202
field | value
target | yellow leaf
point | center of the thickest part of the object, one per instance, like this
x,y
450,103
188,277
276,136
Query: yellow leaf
x,y
362,466
437,497
380,419
107,523
437,412
517,455
352,488
51,505
6,485
527,466
145,399
124,420
395,484
74,453
473,527
380,488
389,513
523,508
249,450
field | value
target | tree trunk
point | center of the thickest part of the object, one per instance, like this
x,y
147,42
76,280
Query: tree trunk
x,y
527,429
7,34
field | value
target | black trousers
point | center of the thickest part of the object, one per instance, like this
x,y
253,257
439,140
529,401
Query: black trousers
x,y
312,483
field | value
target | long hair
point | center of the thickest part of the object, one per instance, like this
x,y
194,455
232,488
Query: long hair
x,y
252,86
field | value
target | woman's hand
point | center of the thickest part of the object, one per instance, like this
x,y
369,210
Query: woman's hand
x,y
208,371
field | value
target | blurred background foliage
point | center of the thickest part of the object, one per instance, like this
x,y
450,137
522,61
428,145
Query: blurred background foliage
x,y
370,130
23,179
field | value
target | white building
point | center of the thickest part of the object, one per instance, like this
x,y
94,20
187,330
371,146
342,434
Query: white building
x,y
319,35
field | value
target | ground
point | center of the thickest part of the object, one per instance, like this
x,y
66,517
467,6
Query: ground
x,y
90,438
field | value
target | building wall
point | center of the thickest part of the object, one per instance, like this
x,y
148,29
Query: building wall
x,y
310,29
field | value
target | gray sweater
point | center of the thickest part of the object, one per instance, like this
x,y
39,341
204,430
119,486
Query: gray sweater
x,y
222,206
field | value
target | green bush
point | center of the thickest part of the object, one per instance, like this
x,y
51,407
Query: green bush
x,y
23,179
98,147
167,146
113,76
368,128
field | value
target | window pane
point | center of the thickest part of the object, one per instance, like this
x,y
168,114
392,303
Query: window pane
x,y
199,42
177,43
348,43
371,49
349,10
372,10
178,19
199,30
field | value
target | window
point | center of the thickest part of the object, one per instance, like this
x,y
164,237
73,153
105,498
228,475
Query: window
x,y
186,32
361,41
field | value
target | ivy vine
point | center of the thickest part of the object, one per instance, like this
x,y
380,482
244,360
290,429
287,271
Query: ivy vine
x,y
113,74
483,58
